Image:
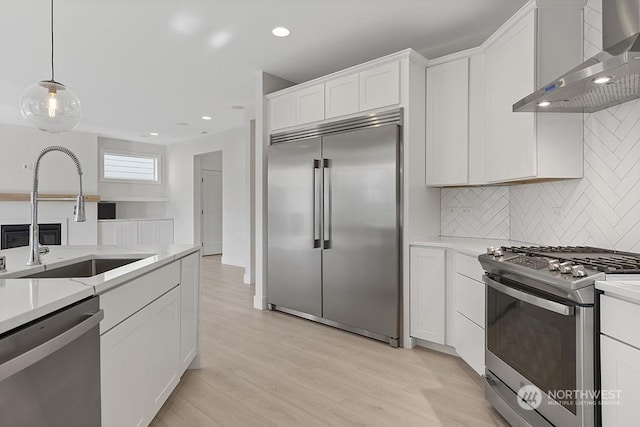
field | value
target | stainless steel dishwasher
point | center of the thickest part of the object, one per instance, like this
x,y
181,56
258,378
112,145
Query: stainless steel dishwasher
x,y
50,370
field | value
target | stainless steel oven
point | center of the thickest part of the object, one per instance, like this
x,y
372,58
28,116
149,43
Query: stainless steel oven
x,y
538,339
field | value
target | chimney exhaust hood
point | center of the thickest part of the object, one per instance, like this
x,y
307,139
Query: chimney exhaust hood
x,y
609,78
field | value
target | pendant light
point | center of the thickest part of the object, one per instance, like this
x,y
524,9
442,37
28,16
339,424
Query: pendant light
x,y
48,104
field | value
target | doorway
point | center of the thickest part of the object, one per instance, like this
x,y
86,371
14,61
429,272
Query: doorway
x,y
211,212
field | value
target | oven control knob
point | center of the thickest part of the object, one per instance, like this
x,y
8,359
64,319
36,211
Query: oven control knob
x,y
554,265
565,267
491,250
578,271
498,252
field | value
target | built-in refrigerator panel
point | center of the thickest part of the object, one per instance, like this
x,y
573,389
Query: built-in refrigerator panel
x,y
294,273
360,268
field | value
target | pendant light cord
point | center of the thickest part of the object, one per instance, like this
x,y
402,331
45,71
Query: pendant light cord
x,y
52,72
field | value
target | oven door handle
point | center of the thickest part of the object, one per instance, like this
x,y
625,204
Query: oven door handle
x,y
38,353
556,307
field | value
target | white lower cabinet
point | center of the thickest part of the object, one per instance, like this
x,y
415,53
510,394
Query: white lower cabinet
x,y
146,352
163,355
470,311
123,373
427,294
619,361
189,292
132,232
470,343
620,364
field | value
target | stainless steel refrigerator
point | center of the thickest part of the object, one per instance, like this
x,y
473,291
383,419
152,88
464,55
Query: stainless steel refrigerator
x,y
334,227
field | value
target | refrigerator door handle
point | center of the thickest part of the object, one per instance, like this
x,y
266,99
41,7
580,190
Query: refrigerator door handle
x,y
326,205
317,191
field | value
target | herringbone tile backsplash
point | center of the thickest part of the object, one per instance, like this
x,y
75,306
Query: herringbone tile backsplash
x,y
601,209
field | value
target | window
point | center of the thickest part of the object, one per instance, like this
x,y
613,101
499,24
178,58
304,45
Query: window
x,y
130,167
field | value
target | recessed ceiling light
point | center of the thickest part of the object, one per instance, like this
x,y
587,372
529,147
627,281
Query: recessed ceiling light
x,y
281,32
154,133
237,107
544,104
204,131
206,117
602,80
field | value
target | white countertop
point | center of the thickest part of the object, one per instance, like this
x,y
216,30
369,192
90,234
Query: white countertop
x,y
466,245
134,219
24,300
626,289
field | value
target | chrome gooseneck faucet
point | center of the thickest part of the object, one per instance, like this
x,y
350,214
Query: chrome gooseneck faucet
x,y
79,214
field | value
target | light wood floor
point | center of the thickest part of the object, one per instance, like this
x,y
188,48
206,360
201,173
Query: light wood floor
x,y
263,368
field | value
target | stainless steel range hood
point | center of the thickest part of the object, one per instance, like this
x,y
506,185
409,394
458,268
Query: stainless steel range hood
x,y
609,78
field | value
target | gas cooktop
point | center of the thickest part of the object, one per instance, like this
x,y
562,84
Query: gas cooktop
x,y
565,268
571,258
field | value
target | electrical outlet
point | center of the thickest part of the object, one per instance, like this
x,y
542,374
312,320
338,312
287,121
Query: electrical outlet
x,y
467,211
557,212
452,210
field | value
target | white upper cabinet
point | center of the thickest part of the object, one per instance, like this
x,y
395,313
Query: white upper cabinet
x,y
341,96
282,111
310,104
366,87
510,151
380,86
524,55
447,123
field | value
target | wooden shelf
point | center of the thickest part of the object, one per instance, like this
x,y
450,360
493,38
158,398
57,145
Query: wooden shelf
x,y
26,197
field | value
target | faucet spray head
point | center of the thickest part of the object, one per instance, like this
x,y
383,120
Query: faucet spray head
x,y
78,210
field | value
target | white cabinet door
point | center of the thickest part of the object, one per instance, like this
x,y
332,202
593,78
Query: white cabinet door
x,y
447,123
128,235
310,104
107,232
427,282
380,86
189,292
620,365
510,146
155,232
341,96
163,353
147,232
123,373
469,343
282,111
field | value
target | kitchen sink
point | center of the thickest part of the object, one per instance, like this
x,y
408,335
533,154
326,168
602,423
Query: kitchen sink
x,y
87,268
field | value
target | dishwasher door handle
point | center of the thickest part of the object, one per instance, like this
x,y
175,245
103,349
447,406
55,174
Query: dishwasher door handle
x,y
36,354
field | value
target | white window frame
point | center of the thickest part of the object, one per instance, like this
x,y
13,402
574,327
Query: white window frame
x,y
156,156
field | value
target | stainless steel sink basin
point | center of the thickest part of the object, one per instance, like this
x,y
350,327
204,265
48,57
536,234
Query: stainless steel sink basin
x,y
87,268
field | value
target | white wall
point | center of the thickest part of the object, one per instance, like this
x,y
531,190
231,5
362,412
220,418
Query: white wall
x,y
19,146
184,194
211,161
118,190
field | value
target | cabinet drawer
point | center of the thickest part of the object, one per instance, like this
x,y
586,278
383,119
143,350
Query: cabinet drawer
x,y
470,343
123,301
469,266
618,319
470,298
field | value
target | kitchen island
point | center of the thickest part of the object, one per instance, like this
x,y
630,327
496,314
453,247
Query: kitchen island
x,y
150,299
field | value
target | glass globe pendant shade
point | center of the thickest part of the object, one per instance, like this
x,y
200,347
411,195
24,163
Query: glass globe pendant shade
x,y
51,107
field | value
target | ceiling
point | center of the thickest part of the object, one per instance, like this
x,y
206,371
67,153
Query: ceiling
x,y
142,66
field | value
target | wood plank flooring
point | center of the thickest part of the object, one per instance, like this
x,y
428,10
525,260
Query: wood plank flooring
x,y
263,368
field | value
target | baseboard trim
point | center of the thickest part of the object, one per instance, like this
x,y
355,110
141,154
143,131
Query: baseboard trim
x,y
260,303
437,347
